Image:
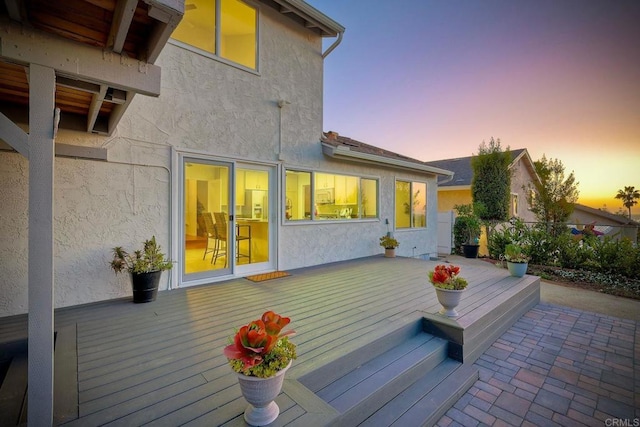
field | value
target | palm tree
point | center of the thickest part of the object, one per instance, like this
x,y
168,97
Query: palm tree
x,y
628,197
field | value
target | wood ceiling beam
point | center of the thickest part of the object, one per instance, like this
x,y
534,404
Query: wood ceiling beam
x,y
168,14
76,61
94,107
122,18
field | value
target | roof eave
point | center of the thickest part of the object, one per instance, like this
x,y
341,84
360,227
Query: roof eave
x,y
345,153
312,17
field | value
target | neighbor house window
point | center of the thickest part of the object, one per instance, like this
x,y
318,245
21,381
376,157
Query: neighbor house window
x,y
225,28
514,205
411,204
320,196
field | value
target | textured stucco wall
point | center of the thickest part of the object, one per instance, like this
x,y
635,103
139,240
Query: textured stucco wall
x,y
521,178
206,107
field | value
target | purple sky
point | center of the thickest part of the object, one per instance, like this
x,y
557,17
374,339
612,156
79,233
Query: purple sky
x,y
432,79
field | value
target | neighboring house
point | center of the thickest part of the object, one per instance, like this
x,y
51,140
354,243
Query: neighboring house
x,y
234,138
604,223
458,190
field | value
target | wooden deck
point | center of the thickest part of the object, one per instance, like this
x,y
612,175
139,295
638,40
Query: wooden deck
x,y
119,363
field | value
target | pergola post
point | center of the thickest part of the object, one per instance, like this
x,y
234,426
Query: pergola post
x,y
41,174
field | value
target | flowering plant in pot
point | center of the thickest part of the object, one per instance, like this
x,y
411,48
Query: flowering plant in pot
x,y
260,354
449,286
145,267
389,244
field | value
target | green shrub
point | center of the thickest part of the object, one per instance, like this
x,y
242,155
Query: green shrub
x,y
603,256
572,253
500,238
542,246
617,256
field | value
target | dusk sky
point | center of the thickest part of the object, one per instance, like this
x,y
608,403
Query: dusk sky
x,y
432,79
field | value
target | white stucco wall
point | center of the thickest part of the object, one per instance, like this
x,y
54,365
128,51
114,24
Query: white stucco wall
x,y
206,107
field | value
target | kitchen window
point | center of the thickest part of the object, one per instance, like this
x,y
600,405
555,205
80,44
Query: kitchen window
x,y
225,28
321,196
411,204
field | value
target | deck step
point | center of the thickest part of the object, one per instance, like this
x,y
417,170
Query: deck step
x,y
361,392
392,370
426,400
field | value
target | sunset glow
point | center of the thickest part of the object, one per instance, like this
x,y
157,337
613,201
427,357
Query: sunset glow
x,y
432,79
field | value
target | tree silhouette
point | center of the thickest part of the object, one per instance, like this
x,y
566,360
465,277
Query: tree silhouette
x,y
552,200
628,197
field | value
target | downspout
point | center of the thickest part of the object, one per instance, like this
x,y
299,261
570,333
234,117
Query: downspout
x,y
334,45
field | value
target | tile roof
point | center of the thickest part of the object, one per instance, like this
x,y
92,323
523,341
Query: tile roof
x,y
461,166
344,145
336,140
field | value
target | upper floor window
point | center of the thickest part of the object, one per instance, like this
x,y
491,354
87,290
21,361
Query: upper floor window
x,y
326,196
225,28
411,204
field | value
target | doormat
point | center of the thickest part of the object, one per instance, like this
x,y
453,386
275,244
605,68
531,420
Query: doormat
x,y
267,276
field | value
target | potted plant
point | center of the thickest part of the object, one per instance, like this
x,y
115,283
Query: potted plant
x,y
146,267
466,230
260,355
389,244
517,259
449,286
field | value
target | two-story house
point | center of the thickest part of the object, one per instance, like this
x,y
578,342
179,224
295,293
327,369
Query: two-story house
x,y
223,159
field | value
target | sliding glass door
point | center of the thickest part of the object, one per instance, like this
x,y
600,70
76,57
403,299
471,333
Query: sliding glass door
x,y
227,219
206,198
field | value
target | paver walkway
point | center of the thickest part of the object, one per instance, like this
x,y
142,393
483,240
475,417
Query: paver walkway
x,y
556,366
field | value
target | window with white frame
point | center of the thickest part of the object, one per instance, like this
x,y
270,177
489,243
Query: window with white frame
x,y
225,28
411,204
514,204
321,196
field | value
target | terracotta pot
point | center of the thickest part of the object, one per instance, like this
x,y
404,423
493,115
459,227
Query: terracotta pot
x,y
449,300
261,393
390,253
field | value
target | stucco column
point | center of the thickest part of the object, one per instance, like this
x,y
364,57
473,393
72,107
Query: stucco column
x,y
41,158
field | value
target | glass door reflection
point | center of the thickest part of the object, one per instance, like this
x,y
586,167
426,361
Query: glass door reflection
x,y
206,225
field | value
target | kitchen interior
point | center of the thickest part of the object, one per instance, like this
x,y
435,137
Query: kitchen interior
x,y
207,191
336,196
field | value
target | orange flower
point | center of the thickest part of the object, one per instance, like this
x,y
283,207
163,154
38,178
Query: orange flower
x,y
253,341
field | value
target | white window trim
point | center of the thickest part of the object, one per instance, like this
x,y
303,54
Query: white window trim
x,y
395,220
283,200
219,58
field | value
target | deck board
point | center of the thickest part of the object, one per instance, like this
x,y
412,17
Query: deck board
x,y
162,362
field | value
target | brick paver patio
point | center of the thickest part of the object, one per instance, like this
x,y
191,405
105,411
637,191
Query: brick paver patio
x,y
556,366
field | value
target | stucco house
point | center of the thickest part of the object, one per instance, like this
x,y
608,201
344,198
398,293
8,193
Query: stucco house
x,y
457,191
220,155
231,137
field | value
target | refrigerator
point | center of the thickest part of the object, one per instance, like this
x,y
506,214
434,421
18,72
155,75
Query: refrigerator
x,y
256,204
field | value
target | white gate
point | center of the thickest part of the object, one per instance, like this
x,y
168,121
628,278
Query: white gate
x,y
445,232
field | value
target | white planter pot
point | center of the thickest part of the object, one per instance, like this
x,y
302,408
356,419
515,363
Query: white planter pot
x,y
449,300
517,269
261,393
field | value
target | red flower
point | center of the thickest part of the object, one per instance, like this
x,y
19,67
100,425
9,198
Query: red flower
x,y
446,277
257,339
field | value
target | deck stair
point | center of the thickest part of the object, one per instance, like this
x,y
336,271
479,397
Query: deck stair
x,y
404,377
